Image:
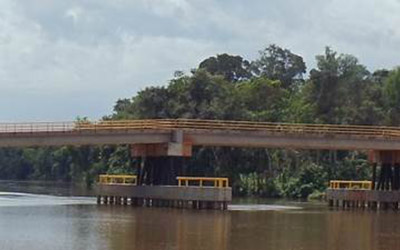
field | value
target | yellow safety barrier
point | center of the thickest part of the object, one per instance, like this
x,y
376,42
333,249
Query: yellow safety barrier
x,y
218,182
336,184
194,124
107,179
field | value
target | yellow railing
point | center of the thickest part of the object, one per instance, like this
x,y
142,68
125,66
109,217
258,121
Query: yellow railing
x,y
106,179
196,124
218,182
350,184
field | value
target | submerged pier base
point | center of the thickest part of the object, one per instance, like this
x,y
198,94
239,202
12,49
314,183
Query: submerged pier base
x,y
353,198
165,196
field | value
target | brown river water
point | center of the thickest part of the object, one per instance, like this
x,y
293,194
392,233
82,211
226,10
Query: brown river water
x,y
38,216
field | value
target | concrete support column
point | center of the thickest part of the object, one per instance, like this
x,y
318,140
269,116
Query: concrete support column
x,y
373,175
396,176
382,176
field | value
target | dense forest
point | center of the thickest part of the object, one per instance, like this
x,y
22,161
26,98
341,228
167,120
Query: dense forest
x,y
276,87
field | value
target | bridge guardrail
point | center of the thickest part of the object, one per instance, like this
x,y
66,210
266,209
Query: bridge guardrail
x,y
194,124
109,179
217,182
339,184
33,127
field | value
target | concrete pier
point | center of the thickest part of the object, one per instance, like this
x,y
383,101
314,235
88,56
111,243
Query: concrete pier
x,y
353,198
165,196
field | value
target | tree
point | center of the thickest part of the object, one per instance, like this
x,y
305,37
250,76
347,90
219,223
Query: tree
x,y
392,97
324,83
280,64
150,103
338,87
232,68
13,164
263,99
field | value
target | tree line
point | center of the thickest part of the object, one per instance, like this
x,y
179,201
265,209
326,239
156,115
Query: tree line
x,y
275,87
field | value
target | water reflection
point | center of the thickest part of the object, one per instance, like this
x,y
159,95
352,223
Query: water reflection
x,y
315,229
158,228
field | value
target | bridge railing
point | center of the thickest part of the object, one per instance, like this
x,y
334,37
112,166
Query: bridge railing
x,y
201,125
287,128
35,127
339,184
107,179
217,182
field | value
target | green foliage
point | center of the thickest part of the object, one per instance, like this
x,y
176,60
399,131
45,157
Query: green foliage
x,y
351,169
392,94
316,195
337,88
253,184
307,179
280,64
13,164
119,162
232,68
264,99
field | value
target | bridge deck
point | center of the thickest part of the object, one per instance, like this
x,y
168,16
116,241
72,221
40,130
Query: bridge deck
x,y
201,132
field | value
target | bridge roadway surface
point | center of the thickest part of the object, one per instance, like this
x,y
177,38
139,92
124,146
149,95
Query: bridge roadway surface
x,y
201,132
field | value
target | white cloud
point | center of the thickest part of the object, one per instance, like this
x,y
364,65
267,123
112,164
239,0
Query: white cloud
x,y
75,13
168,7
59,59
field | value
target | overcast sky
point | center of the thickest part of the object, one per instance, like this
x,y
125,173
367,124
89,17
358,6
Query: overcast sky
x,y
62,59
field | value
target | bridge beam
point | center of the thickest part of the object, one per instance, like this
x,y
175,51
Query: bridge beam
x,y
261,139
77,138
200,137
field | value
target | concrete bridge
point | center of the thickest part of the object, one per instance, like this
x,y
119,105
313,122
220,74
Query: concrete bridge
x,y
160,145
178,134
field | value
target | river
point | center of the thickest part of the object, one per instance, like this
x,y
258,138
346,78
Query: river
x,y
42,216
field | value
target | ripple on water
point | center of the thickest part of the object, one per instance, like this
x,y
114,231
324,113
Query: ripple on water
x,y
8,199
261,207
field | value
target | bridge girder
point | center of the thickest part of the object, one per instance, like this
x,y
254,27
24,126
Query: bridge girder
x,y
255,139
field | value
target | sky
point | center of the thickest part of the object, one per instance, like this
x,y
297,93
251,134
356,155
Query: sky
x,y
63,59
